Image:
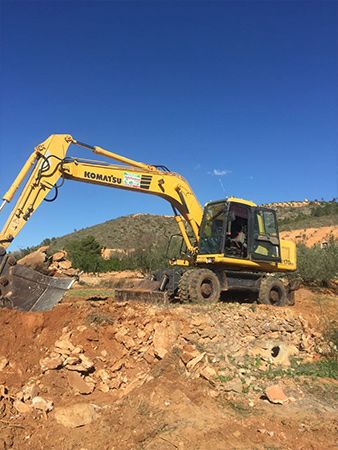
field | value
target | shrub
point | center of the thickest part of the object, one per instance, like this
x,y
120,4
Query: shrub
x,y
329,208
318,265
85,254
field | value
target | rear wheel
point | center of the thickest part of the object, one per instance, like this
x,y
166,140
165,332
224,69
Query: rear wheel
x,y
200,285
272,292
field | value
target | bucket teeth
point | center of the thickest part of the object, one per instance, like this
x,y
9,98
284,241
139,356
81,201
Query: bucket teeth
x,y
28,290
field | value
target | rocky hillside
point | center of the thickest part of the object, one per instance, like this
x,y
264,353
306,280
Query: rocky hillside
x,y
133,231
127,232
298,215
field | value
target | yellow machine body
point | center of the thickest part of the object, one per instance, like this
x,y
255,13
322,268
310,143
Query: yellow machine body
x,y
49,162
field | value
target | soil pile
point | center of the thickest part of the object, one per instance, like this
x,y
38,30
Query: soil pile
x,y
104,375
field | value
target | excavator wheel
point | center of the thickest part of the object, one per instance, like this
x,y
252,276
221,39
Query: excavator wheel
x,y
184,286
272,292
200,286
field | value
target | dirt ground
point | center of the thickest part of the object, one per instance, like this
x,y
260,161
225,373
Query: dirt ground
x,y
97,374
311,236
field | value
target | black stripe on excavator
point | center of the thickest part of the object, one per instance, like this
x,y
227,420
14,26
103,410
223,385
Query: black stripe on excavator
x,y
145,181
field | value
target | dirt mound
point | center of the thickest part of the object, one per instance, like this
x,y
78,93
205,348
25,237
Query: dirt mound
x,y
311,236
96,374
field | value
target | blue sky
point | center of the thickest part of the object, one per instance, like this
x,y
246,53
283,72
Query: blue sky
x,y
239,97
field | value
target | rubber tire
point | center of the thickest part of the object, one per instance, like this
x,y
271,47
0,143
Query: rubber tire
x,y
183,287
197,279
272,286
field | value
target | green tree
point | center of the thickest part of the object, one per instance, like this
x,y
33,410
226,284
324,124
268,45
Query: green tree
x,y
85,254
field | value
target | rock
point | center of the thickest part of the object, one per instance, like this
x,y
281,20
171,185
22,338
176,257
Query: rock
x,y
21,407
42,404
193,363
78,384
64,344
115,383
34,260
103,375
70,272
3,362
71,361
29,391
51,363
86,362
209,373
3,392
76,415
117,365
234,385
84,365
126,340
43,249
189,352
58,256
149,357
103,387
275,394
165,337
64,265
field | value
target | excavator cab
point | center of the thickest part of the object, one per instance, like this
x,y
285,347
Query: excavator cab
x,y
241,230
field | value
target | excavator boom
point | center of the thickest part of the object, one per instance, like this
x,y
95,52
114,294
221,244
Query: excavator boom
x,y
26,289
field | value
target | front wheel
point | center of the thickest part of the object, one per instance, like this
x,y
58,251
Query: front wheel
x,y
203,286
272,292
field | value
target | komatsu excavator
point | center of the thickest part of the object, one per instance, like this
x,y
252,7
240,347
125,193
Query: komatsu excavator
x,y
231,244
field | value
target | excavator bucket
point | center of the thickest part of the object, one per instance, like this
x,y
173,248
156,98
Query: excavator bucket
x,y
26,289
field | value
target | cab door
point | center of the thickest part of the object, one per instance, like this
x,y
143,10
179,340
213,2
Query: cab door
x,y
265,245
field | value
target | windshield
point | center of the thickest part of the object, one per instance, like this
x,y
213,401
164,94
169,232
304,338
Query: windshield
x,y
212,229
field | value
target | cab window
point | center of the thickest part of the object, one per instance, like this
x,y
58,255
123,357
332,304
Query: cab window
x,y
266,240
212,229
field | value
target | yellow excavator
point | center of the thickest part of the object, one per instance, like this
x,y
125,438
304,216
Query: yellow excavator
x,y
231,244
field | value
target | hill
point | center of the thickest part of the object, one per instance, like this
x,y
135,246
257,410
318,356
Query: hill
x,y
133,231
307,214
127,232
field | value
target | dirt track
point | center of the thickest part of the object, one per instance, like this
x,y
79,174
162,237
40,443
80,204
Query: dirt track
x,y
163,378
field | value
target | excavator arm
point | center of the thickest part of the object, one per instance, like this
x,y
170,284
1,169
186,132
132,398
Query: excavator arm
x,y
51,164
47,168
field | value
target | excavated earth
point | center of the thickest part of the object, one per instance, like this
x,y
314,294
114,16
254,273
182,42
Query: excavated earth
x,y
97,374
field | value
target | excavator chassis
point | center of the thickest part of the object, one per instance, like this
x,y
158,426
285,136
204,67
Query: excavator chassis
x,y
26,289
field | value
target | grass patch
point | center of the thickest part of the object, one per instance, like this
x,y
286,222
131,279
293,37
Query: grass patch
x,y
225,378
326,368
240,408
